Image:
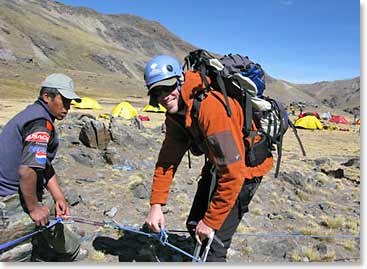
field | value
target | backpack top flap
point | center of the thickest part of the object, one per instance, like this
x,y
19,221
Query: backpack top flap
x,y
245,69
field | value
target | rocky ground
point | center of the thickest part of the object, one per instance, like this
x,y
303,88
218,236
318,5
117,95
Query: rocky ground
x,y
316,195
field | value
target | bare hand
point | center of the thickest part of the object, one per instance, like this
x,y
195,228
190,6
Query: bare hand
x,y
62,209
202,232
155,219
40,214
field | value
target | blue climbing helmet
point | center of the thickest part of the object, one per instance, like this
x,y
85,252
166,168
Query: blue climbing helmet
x,y
163,70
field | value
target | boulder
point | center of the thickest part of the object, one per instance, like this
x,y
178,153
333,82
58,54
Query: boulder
x,y
94,134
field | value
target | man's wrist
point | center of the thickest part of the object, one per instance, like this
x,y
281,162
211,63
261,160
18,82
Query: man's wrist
x,y
61,200
33,206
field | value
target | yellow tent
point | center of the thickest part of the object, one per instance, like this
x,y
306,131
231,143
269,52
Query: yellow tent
x,y
87,103
308,122
330,127
150,108
125,110
104,116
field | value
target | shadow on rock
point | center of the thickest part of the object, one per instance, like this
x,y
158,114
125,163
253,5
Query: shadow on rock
x,y
139,248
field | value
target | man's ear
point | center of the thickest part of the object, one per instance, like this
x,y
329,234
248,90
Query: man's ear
x,y
45,97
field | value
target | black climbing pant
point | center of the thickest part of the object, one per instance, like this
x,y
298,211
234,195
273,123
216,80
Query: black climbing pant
x,y
218,253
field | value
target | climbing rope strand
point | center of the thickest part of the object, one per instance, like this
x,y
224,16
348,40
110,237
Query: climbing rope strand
x,y
86,221
26,237
297,235
183,252
162,237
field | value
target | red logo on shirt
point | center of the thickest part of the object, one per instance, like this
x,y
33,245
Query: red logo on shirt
x,y
40,137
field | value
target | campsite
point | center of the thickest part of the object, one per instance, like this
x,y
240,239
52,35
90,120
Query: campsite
x,y
109,144
314,195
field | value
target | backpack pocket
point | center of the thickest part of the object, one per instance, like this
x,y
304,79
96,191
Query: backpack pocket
x,y
196,149
257,153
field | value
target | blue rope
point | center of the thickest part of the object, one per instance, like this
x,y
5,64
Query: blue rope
x,y
25,237
162,237
298,235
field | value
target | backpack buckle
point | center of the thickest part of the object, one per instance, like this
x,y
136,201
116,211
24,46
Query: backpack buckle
x,y
4,219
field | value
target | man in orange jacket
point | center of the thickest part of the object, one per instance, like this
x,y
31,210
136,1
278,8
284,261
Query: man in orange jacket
x,y
221,210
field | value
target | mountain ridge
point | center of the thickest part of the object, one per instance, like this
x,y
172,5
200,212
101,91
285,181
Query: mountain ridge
x,y
48,35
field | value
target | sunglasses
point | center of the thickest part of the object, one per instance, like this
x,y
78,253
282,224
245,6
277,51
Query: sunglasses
x,y
162,90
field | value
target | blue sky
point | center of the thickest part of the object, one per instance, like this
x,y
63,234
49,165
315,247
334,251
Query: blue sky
x,y
301,41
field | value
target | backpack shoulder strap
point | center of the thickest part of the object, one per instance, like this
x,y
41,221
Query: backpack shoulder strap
x,y
247,111
198,137
223,90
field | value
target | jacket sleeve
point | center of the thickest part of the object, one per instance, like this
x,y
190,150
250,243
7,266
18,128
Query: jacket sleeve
x,y
36,138
224,139
174,146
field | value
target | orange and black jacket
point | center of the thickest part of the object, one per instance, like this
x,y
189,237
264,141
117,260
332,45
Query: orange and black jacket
x,y
224,147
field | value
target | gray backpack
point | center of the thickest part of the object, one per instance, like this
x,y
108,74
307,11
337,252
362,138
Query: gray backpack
x,y
238,77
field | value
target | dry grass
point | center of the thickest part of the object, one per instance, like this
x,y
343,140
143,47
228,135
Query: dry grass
x,y
329,256
295,256
302,196
349,245
311,229
247,250
134,181
353,226
296,214
316,230
311,255
245,229
182,198
97,256
321,178
257,211
309,188
274,203
336,222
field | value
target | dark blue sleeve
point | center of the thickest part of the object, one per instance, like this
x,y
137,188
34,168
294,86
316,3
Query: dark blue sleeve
x,y
36,137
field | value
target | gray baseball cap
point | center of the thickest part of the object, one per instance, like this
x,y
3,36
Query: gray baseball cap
x,y
63,84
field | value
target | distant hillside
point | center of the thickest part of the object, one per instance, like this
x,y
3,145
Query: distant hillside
x,y
340,93
108,52
52,34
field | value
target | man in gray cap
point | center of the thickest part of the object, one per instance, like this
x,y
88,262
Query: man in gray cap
x,y
28,144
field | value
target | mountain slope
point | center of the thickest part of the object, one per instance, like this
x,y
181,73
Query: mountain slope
x,y
106,54
51,34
